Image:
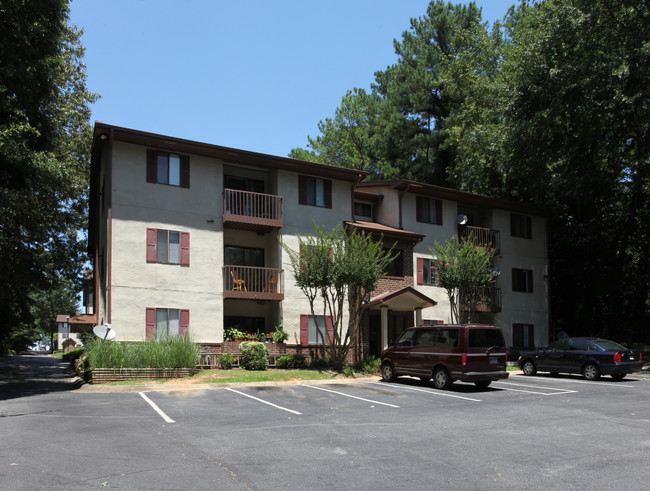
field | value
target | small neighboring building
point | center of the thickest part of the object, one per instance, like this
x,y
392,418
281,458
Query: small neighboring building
x,y
185,238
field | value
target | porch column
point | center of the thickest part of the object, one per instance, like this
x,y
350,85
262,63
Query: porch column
x,y
418,316
384,327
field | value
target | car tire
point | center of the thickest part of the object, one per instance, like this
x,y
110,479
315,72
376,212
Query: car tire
x,y
529,367
618,376
388,372
483,384
591,371
441,379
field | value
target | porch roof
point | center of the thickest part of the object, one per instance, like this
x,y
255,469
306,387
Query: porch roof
x,y
404,299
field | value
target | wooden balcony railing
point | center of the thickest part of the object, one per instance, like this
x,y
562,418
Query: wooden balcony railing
x,y
252,211
482,299
248,282
484,237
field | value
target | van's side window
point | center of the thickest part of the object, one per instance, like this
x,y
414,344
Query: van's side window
x,y
405,339
446,338
424,338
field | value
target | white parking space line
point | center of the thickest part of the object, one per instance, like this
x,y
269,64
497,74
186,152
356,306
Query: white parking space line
x,y
432,392
607,383
538,387
353,397
156,408
263,401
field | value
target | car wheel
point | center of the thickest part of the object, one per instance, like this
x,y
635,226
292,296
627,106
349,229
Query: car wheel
x,y
591,371
483,384
388,372
529,367
441,378
618,376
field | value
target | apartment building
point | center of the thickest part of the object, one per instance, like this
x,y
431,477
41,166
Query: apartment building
x,y
185,237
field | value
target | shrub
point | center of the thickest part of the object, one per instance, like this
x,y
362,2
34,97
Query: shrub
x,y
368,365
280,336
348,371
254,355
291,361
170,352
321,363
72,356
226,360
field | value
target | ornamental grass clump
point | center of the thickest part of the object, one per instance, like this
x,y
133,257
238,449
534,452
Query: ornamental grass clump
x,y
254,355
167,352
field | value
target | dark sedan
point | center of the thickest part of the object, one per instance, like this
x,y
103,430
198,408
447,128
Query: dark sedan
x,y
592,357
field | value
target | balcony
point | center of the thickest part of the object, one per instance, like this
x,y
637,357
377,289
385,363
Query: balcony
x,y
250,283
482,299
258,212
484,237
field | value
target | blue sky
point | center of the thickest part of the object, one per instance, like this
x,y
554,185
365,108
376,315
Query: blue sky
x,y
250,74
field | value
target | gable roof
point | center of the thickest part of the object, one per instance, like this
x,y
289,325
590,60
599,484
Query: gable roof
x,y
404,299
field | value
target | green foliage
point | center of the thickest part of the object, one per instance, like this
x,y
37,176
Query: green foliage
x,y
226,360
321,363
332,267
44,156
291,361
280,336
254,355
171,352
348,371
369,365
73,355
462,267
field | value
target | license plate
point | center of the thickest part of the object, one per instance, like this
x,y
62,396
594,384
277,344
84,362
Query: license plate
x,y
493,361
631,358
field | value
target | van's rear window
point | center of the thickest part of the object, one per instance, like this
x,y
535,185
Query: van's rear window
x,y
484,338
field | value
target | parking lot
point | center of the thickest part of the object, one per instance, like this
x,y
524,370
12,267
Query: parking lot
x,y
522,433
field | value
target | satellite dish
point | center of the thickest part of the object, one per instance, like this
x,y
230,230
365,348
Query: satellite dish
x,y
104,331
462,219
495,271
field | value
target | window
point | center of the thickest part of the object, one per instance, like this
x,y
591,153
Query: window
x,y
314,191
432,322
522,280
363,210
162,322
168,246
244,256
168,168
427,274
309,333
428,210
520,226
523,335
396,267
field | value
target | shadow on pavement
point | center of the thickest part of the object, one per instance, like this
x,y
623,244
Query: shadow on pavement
x,y
34,374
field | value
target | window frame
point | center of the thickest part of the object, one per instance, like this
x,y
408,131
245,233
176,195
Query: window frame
x,y
421,265
521,226
519,338
522,280
305,331
152,247
151,322
421,216
304,195
153,157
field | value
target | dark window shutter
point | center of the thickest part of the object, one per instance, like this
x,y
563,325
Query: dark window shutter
x,y
151,323
529,227
529,282
185,171
418,208
513,225
151,245
304,329
184,322
330,329
302,190
152,166
517,335
327,190
185,248
420,272
438,212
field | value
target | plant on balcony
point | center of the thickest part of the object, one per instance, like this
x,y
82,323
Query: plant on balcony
x,y
232,333
279,335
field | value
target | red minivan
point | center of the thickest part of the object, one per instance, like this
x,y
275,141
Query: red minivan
x,y
445,352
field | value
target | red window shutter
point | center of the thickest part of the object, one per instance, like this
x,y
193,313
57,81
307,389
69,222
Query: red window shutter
x,y
152,166
302,190
151,245
150,323
330,329
185,248
185,171
184,322
418,208
438,212
420,272
304,329
327,190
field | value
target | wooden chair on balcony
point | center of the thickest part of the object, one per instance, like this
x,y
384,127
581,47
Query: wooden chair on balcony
x,y
271,286
237,283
